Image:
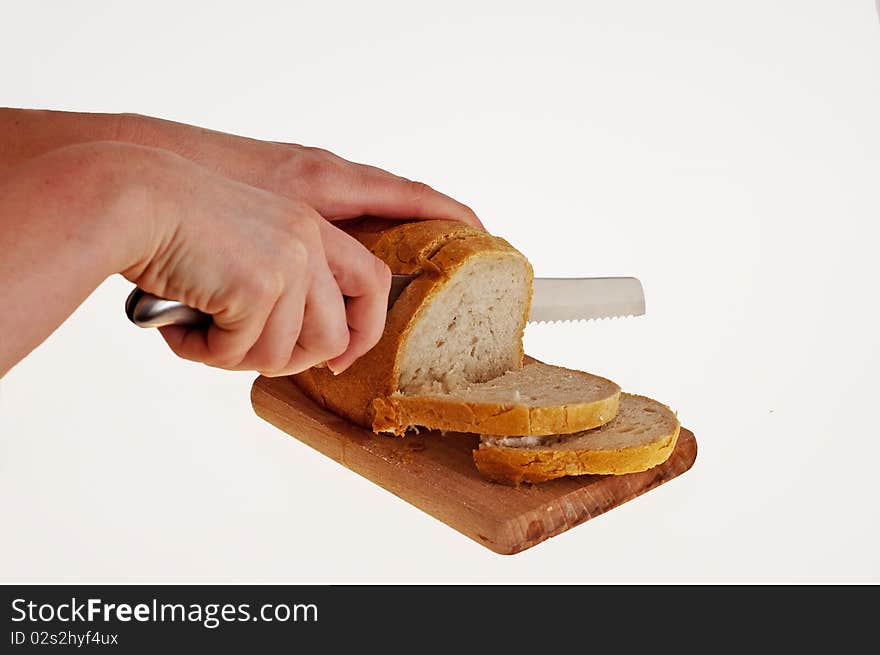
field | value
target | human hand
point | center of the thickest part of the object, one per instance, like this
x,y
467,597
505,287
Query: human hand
x,y
270,270
335,189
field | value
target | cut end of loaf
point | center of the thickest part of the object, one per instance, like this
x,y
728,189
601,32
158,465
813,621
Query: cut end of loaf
x,y
471,330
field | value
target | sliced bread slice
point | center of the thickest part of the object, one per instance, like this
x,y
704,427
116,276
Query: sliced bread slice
x,y
642,436
537,399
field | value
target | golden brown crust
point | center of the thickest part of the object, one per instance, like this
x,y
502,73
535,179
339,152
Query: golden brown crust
x,y
396,414
516,465
405,245
434,249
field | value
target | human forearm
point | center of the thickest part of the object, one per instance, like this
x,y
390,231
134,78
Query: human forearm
x,y
60,237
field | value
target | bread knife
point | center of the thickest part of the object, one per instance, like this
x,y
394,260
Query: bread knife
x,y
554,299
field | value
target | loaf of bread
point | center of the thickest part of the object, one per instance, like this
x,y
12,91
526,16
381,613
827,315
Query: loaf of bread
x,y
451,358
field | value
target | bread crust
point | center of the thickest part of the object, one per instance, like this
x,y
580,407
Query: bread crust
x,y
516,465
405,245
432,249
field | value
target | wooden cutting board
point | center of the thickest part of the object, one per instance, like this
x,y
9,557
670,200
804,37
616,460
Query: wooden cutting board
x,y
437,474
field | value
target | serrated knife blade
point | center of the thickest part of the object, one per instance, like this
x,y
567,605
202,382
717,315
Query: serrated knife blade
x,y
573,299
554,299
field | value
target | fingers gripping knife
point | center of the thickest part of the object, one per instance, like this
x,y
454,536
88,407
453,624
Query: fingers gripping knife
x,y
146,310
554,299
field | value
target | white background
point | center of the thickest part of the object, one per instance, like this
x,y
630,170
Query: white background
x,y
727,153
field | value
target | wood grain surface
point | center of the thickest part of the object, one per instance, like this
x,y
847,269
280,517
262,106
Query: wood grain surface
x,y
436,473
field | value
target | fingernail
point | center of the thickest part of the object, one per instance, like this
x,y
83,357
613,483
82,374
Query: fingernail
x,y
334,370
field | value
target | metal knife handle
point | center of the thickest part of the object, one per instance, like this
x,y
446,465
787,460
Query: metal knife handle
x,y
148,311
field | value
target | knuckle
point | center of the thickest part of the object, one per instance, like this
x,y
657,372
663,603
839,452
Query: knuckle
x,y
272,357
130,127
318,153
311,229
277,360
336,341
318,168
381,275
263,286
418,191
369,338
298,256
295,251
300,225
